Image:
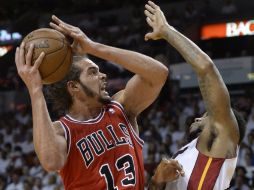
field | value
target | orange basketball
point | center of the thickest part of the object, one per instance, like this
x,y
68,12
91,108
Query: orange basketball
x,y
58,54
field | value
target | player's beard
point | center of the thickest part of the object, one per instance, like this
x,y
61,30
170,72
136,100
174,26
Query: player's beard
x,y
91,94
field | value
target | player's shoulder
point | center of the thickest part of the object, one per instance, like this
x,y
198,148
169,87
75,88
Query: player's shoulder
x,y
120,99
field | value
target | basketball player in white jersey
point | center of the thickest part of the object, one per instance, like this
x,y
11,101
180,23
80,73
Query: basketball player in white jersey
x,y
209,160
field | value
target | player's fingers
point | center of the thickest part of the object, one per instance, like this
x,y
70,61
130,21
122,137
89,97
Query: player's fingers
x,y
74,44
39,60
148,36
59,21
149,15
22,53
179,168
153,5
149,22
178,174
56,19
66,30
182,173
173,164
17,56
58,28
76,36
69,29
29,54
149,8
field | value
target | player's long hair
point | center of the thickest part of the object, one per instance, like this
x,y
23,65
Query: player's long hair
x,y
57,94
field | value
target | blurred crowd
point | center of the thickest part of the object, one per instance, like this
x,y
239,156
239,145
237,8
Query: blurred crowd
x,y
122,24
164,126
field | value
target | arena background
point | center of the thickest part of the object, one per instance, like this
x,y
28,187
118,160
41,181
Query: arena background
x,y
224,29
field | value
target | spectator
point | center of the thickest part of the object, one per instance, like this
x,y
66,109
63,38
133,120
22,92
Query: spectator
x,y
240,184
16,183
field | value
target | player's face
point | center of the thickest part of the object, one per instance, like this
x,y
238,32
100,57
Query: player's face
x,y
198,125
93,82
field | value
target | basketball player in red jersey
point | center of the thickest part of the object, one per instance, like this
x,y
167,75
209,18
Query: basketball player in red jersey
x,y
209,160
95,145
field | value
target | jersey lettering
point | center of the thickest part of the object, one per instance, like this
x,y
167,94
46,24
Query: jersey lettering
x,y
117,140
108,144
99,143
97,146
126,133
85,151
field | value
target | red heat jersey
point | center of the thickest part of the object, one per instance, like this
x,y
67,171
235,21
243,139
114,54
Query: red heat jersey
x,y
104,153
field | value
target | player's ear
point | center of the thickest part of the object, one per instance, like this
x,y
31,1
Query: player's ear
x,y
72,86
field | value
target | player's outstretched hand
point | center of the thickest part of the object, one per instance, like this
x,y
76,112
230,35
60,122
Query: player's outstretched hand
x,y
80,43
168,170
27,70
156,19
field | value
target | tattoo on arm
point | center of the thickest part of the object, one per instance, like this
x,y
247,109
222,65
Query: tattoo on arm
x,y
189,50
206,91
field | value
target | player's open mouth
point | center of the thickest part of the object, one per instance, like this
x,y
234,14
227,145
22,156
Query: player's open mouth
x,y
103,87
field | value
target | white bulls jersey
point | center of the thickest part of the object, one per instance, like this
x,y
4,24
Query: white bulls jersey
x,y
202,172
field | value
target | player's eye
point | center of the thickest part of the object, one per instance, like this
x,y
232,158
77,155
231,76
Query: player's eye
x,y
92,72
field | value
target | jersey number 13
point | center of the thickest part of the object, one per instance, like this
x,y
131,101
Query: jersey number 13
x,y
124,163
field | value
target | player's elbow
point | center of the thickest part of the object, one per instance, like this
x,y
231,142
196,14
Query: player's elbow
x,y
52,166
163,75
206,65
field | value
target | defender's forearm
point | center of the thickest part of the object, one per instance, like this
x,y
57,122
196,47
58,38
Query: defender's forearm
x,y
147,67
189,50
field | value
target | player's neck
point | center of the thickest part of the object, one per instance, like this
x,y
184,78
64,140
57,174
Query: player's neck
x,y
84,111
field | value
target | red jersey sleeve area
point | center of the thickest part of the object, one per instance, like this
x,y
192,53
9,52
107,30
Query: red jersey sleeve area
x,y
103,153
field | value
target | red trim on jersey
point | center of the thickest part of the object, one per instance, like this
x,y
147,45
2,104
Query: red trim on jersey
x,y
119,106
210,176
89,121
213,173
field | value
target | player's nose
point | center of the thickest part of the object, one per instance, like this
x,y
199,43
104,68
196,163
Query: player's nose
x,y
103,76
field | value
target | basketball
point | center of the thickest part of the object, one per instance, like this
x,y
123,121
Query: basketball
x,y
58,53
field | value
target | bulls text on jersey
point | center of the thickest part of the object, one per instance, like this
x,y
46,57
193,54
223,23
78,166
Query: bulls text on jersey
x,y
99,143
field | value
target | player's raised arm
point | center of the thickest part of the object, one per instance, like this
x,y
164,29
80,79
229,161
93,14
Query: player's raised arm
x,y
150,75
213,89
49,142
